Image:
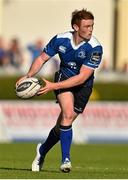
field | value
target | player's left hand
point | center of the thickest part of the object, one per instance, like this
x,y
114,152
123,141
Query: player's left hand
x,y
48,86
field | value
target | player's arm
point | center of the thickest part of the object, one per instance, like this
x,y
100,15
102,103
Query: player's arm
x,y
85,73
49,51
36,66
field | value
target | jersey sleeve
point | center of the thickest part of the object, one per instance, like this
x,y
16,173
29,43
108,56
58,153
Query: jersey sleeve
x,y
51,47
93,57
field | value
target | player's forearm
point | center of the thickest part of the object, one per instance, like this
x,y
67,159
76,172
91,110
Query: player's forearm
x,y
35,67
71,82
75,80
50,86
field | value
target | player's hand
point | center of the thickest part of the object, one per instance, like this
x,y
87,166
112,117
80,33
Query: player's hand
x,y
22,78
48,86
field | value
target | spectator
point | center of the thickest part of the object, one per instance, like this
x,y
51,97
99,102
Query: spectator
x,y
105,66
36,48
125,67
15,54
3,54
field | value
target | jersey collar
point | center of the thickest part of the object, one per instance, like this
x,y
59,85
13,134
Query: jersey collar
x,y
73,44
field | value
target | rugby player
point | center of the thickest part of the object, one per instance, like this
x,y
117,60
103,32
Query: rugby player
x,y
80,54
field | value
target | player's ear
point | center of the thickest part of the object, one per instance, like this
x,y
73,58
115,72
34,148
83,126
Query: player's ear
x,y
75,27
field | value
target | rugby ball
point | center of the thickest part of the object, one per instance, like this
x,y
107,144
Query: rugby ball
x,y
28,88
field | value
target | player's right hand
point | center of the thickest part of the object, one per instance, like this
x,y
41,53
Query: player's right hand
x,y
22,78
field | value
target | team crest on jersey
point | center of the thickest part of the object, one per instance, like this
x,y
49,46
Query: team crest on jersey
x,y
62,49
82,54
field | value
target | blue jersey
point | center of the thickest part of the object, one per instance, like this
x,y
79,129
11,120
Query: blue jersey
x,y
72,57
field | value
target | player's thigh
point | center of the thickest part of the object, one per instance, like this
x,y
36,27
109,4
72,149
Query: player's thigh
x,y
66,102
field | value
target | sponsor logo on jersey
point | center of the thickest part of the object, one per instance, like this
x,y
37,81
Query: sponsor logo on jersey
x,y
62,49
72,65
82,54
95,57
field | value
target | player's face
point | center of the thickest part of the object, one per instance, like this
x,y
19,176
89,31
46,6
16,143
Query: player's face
x,y
85,29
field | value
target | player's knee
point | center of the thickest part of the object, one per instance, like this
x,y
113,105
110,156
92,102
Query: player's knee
x,y
68,116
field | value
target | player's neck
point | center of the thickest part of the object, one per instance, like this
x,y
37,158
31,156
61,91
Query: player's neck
x,y
77,39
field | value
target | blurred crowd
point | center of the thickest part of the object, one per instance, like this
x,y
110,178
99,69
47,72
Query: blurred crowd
x,y
13,59
11,54
105,67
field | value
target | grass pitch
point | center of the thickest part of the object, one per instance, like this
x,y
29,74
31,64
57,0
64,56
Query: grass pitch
x,y
89,162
